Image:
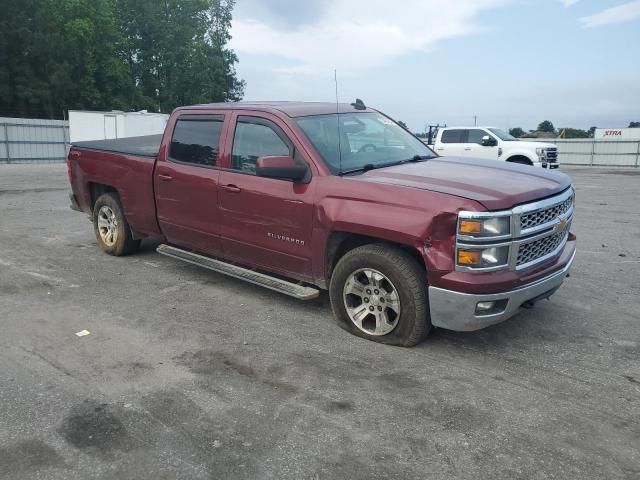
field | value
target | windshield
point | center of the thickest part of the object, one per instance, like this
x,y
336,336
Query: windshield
x,y
502,135
367,140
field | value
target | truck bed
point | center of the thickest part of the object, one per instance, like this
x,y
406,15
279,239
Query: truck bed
x,y
144,146
123,164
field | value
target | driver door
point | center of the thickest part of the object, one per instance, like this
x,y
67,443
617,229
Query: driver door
x,y
477,149
265,221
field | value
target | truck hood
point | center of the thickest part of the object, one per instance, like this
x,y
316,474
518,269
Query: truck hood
x,y
496,185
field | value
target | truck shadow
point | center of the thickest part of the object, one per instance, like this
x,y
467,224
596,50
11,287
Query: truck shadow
x,y
529,327
526,331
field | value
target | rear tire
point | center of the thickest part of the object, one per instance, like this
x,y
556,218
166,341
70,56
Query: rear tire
x,y
379,292
111,228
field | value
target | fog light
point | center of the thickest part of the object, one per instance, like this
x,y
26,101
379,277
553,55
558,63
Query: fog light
x,y
494,307
484,306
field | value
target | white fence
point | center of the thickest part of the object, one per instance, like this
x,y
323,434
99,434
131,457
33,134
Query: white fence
x,y
595,152
25,140
28,140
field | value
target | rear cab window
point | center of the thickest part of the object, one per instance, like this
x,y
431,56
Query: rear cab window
x,y
454,136
196,140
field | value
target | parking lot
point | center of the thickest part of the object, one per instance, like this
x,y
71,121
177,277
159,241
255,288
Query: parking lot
x,y
190,374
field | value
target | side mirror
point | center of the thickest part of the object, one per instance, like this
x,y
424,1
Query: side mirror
x,y
281,167
488,141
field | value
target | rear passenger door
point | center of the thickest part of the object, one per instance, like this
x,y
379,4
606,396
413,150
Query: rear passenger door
x,y
265,221
452,142
186,182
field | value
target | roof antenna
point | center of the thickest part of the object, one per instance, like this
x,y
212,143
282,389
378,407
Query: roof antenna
x,y
335,79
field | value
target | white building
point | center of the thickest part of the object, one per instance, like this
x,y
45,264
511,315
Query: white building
x,y
85,125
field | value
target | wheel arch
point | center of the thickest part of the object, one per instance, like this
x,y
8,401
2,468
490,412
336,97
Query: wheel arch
x,y
520,158
96,189
341,242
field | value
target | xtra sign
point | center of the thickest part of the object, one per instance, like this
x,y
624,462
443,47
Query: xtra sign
x,y
617,133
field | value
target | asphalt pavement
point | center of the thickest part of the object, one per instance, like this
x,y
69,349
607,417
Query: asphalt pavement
x,y
187,374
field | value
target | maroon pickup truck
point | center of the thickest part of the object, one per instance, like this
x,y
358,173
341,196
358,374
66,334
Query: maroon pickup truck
x,y
298,197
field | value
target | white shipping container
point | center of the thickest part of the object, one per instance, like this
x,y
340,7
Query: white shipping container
x,y
85,125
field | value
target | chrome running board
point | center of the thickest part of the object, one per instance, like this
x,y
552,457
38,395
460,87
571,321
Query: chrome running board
x,y
300,292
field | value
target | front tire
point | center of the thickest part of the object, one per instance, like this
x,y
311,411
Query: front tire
x,y
521,161
111,227
378,292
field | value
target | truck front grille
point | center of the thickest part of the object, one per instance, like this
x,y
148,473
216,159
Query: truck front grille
x,y
545,215
538,232
552,155
532,251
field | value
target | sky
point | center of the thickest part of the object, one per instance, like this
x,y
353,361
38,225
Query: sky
x,y
511,63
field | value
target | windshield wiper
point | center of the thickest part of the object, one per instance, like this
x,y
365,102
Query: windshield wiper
x,y
365,168
420,158
372,166
414,159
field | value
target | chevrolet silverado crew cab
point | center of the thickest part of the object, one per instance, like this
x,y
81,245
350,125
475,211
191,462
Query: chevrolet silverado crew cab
x,y
303,197
493,144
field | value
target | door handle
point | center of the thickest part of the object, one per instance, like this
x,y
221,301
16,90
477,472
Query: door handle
x,y
439,149
164,177
468,148
231,188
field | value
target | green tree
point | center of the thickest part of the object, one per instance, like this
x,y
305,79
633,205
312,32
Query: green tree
x,y
634,125
546,126
114,54
516,132
592,132
177,51
60,54
575,133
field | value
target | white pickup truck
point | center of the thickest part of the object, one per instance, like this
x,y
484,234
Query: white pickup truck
x,y
493,144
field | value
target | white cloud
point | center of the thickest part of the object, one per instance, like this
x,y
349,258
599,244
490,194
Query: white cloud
x,y
359,34
618,14
568,3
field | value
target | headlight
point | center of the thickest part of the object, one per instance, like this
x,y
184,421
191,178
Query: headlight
x,y
483,257
483,240
485,227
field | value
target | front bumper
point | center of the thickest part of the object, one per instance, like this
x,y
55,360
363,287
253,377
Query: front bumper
x,y
547,165
457,311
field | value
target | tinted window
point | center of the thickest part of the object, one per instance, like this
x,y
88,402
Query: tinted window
x,y
475,135
252,141
454,136
196,141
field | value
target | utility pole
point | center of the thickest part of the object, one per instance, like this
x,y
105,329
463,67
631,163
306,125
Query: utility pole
x,y
475,120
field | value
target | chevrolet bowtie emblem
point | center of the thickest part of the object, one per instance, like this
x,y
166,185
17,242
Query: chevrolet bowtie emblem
x,y
561,225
